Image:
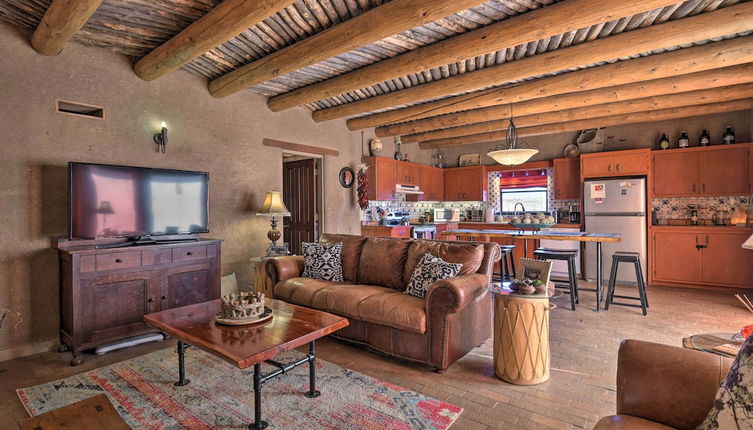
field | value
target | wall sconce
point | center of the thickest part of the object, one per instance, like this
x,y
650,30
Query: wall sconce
x,y
160,139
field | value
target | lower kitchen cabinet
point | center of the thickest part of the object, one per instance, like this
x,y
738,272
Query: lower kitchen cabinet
x,y
400,231
700,256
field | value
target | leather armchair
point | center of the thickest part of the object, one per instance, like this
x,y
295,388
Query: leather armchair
x,y
664,387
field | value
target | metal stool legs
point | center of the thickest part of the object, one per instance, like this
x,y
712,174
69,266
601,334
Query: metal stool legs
x,y
642,296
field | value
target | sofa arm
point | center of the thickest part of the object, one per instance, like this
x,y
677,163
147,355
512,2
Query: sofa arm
x,y
454,294
667,384
281,268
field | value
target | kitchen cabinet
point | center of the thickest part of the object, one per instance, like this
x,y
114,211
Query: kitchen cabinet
x,y
431,182
465,184
381,173
704,171
710,256
400,231
406,173
617,163
567,178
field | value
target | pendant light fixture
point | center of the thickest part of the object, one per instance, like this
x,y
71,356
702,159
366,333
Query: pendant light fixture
x,y
509,153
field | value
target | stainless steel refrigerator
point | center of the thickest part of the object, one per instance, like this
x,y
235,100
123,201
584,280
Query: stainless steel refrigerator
x,y
616,206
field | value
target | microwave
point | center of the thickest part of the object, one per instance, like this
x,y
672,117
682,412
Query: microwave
x,y
446,215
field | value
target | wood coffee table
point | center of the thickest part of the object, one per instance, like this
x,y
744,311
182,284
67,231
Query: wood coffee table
x,y
291,326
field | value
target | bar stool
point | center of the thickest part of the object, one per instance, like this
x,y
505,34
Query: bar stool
x,y
635,259
506,263
563,255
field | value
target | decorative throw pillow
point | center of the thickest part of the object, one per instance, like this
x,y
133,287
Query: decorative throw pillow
x,y
429,270
733,407
323,261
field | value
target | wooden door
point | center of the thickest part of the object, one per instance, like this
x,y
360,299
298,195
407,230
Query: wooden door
x,y
629,163
300,197
431,182
594,166
675,174
725,261
381,174
114,305
437,184
724,172
186,285
676,257
566,178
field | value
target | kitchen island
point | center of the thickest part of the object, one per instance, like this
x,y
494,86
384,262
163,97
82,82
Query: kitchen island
x,y
526,235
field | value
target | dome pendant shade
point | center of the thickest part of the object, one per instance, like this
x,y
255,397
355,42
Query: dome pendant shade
x,y
510,154
512,157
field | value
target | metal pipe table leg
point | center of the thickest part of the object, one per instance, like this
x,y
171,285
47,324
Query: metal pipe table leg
x,y
598,275
182,365
312,393
258,423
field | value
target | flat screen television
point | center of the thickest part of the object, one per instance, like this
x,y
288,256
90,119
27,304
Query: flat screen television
x,y
107,201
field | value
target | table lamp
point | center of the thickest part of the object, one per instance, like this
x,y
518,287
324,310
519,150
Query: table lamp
x,y
273,206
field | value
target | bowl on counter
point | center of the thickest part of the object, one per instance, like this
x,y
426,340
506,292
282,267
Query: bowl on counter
x,y
539,226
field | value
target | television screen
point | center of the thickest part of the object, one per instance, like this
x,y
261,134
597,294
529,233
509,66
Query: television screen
x,y
122,201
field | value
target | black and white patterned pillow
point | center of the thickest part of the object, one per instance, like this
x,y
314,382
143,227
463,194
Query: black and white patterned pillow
x,y
323,261
429,270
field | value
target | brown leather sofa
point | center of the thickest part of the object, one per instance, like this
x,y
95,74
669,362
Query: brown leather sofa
x,y
453,318
664,387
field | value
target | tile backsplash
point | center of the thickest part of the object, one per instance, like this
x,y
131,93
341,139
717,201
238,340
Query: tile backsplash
x,y
678,208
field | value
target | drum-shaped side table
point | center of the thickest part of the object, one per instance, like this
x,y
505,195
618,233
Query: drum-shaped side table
x,y
521,337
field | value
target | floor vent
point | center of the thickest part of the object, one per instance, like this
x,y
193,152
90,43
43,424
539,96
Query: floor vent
x,y
79,109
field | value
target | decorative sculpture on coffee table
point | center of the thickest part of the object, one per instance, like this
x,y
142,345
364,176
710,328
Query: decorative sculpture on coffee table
x,y
243,308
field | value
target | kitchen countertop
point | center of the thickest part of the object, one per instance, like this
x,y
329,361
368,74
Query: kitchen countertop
x,y
678,227
517,234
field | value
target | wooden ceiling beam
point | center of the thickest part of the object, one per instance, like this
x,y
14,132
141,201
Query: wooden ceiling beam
x,y
606,121
722,22
579,104
376,24
61,21
227,20
538,24
734,92
710,79
675,63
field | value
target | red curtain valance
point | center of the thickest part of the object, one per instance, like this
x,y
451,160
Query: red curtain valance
x,y
523,179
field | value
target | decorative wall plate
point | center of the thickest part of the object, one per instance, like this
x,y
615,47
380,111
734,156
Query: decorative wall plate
x,y
347,177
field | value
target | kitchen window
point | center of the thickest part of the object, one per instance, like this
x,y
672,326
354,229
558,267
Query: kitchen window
x,y
528,187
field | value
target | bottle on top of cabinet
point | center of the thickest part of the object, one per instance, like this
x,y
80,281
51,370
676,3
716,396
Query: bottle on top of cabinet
x,y
684,140
664,141
705,138
729,136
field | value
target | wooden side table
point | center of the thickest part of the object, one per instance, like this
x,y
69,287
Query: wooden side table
x,y
262,281
521,336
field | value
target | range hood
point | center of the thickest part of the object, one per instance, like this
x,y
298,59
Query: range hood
x,y
407,189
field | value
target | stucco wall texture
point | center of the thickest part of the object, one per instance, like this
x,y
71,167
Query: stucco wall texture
x,y
220,136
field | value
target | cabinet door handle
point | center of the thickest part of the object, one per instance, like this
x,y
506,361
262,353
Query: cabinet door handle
x,y
618,167
609,168
164,297
707,240
693,187
150,300
703,186
118,260
189,253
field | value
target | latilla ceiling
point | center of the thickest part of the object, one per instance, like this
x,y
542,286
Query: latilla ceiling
x,y
136,27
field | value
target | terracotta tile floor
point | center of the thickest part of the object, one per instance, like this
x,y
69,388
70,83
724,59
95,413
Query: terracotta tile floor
x,y
581,389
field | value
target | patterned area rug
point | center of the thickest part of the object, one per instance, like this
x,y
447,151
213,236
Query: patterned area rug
x,y
220,396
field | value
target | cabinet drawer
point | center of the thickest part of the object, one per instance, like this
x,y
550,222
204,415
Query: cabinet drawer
x,y
118,260
198,252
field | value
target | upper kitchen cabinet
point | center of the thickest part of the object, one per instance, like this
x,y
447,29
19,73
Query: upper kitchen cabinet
x,y
431,182
465,184
705,171
617,163
406,173
381,173
566,178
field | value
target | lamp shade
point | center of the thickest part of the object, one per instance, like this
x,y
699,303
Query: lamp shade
x,y
273,205
512,157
